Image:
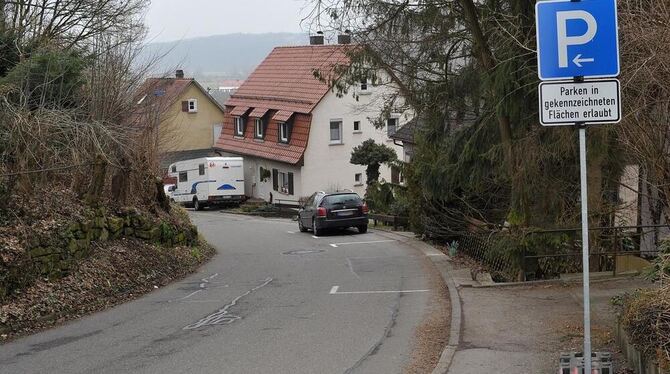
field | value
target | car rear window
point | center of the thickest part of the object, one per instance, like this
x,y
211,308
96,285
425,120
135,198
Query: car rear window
x,y
342,199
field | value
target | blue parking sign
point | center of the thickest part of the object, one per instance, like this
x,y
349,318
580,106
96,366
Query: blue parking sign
x,y
577,38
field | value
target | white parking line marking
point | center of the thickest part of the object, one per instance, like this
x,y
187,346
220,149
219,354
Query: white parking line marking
x,y
315,237
291,232
335,245
335,291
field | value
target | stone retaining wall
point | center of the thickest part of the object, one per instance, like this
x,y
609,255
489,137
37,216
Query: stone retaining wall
x,y
53,255
636,360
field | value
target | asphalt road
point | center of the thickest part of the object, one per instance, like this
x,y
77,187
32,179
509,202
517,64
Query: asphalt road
x,y
273,300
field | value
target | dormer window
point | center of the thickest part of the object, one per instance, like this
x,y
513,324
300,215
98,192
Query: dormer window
x,y
193,105
239,126
259,131
283,132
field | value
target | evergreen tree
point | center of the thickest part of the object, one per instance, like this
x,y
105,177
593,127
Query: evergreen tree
x,y
372,155
468,69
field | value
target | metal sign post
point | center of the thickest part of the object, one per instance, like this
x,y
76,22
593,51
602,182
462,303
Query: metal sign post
x,y
585,248
579,39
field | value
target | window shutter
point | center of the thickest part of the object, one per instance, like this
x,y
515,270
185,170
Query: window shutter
x,y
290,183
275,179
184,106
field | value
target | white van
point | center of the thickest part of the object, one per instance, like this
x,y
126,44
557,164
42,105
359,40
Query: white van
x,y
208,181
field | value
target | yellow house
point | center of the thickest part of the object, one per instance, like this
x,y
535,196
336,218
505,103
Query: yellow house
x,y
189,118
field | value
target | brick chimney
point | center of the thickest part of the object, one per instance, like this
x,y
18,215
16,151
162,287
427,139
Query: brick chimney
x,y
179,74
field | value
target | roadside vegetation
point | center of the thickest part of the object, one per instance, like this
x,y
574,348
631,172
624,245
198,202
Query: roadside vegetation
x,y
645,314
485,174
84,221
469,72
382,196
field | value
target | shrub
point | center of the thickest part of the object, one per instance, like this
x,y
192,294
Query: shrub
x,y
661,266
645,315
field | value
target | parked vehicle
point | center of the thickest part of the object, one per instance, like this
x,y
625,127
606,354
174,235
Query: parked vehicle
x,y
208,181
168,189
333,210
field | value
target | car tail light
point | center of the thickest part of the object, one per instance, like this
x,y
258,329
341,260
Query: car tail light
x,y
321,211
365,208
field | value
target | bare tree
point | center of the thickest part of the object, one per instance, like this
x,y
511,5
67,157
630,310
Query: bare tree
x,y
68,23
645,131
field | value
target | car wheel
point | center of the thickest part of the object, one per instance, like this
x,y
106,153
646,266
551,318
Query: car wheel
x,y
317,231
362,229
301,226
196,204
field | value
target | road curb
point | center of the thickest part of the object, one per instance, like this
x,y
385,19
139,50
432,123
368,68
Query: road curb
x,y
441,262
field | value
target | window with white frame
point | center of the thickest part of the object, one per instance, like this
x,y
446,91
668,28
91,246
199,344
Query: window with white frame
x,y
259,131
358,179
239,126
193,105
336,132
364,84
357,126
283,182
283,132
391,126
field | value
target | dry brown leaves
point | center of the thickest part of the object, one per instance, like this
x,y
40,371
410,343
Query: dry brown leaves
x,y
116,272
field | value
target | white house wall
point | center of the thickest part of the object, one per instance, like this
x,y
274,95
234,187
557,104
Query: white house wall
x,y
257,188
327,166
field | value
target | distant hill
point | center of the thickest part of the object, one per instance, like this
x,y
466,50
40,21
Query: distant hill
x,y
231,56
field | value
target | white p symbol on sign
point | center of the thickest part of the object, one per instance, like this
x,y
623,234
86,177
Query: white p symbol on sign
x,y
564,40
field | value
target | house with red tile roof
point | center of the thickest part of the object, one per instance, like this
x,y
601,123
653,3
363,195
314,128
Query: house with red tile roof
x,y
189,118
295,133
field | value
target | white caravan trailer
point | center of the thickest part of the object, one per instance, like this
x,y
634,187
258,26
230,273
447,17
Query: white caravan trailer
x,y
208,181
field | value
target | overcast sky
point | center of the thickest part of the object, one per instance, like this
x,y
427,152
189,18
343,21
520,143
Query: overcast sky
x,y
169,20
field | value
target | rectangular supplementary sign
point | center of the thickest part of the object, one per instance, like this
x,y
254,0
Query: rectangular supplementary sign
x,y
569,103
577,39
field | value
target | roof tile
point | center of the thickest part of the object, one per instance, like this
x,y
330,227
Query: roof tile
x,y
286,84
239,111
282,115
286,79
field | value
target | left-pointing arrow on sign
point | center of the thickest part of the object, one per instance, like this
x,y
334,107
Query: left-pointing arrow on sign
x,y
578,60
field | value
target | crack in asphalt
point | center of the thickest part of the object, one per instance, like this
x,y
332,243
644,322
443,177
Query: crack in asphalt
x,y
222,316
387,333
